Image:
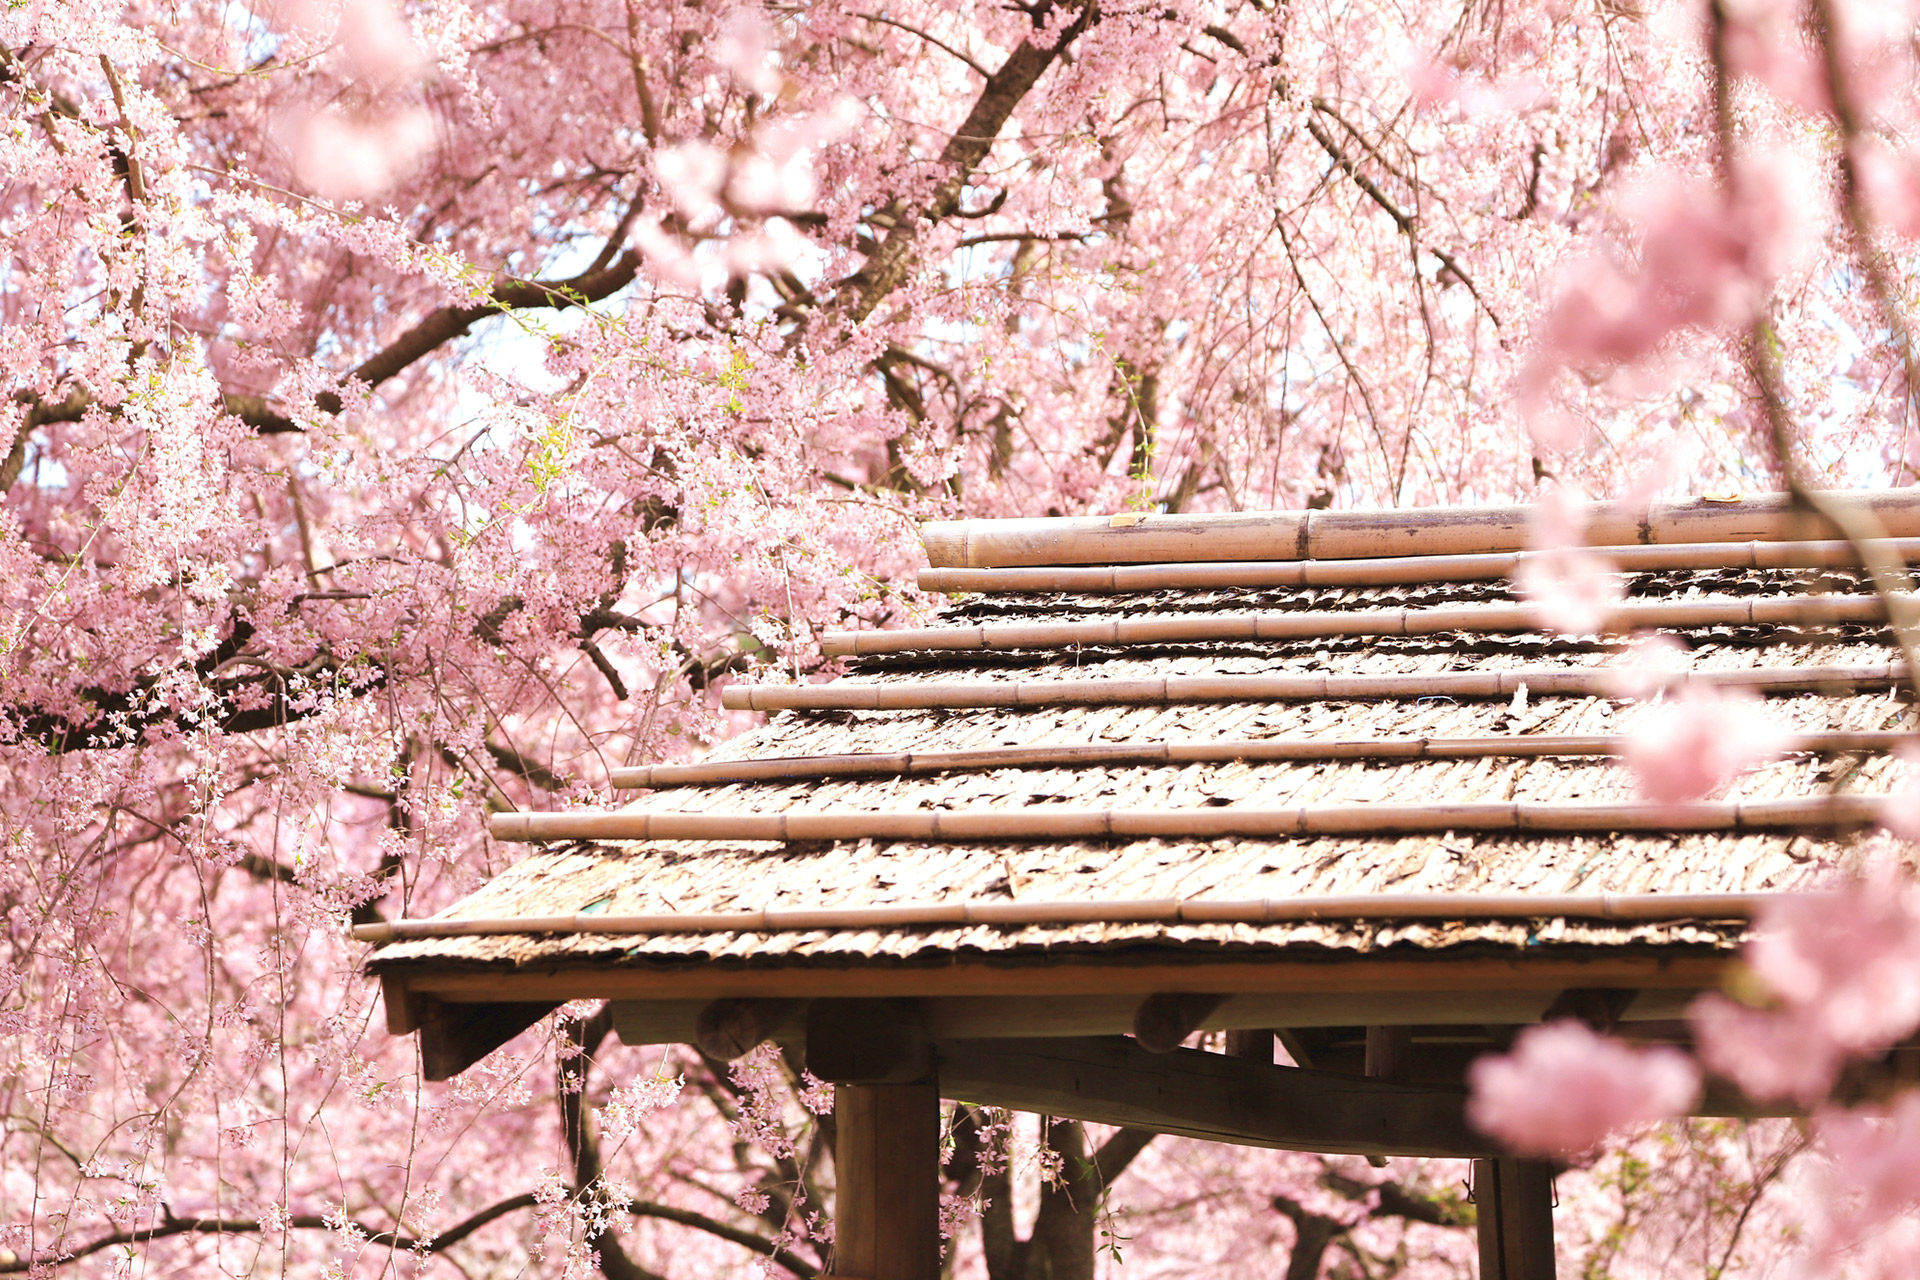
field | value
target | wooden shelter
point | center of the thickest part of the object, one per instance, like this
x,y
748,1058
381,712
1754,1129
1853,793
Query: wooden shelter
x,y
1316,780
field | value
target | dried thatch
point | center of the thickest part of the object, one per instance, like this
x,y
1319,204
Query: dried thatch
x,y
647,877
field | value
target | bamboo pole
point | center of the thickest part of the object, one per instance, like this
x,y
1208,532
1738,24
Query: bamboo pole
x,y
1253,750
1060,822
1118,579
1629,907
1825,610
1594,682
1345,535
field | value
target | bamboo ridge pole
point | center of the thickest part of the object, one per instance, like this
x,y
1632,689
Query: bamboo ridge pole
x,y
1637,907
1410,570
1316,624
1345,535
913,763
1060,822
1593,682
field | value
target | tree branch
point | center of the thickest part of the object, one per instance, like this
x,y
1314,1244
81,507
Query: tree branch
x,y
172,1226
1117,1152
1408,224
733,1235
123,717
442,326
892,259
435,330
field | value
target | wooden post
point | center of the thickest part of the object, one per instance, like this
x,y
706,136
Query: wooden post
x,y
1514,1199
887,1158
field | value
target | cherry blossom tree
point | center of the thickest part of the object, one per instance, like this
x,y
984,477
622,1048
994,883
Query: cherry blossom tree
x,y
415,407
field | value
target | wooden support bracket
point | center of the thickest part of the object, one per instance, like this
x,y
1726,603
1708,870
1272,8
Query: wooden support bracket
x,y
1388,1052
1600,1008
1209,1095
455,1036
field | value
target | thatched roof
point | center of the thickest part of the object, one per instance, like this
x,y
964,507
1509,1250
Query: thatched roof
x,y
613,879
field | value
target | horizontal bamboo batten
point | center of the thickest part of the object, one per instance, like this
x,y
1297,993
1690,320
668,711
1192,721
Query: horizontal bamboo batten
x,y
1346,535
1057,822
1626,907
1307,624
1412,570
897,763
1600,682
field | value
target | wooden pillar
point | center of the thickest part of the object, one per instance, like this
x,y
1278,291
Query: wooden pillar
x,y
887,1161
1514,1199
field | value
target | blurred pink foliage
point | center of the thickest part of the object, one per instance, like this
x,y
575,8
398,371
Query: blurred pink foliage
x,y
1573,590
1697,740
1563,1089
1840,974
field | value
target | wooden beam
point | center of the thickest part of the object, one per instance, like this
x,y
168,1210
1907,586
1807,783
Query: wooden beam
x,y
887,1204
1254,1014
867,1042
403,1007
1165,1019
1691,969
1515,1203
1254,1046
727,1029
454,1037
1208,1095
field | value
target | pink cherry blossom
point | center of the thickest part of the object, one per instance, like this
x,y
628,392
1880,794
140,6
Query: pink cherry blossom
x,y
666,258
378,43
345,157
1890,185
1769,1054
691,173
1706,260
1648,666
761,184
1563,1089
1696,741
1852,955
1872,1181
744,47
1572,590
1843,970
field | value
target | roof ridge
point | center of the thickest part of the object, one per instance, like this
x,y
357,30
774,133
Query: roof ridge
x,y
1142,537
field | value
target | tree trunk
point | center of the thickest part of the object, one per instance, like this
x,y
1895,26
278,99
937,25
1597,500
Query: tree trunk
x,y
1064,1243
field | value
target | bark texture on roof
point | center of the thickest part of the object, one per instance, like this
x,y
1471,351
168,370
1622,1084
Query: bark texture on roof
x,y
648,877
